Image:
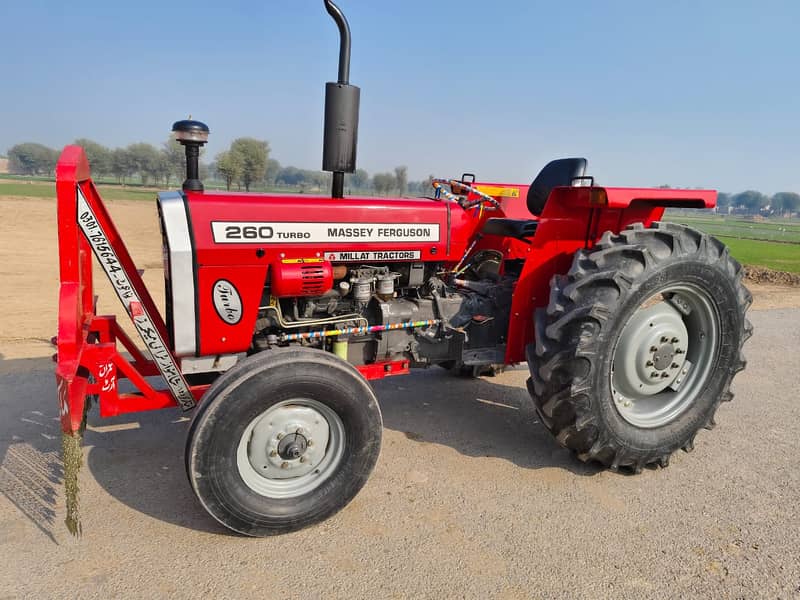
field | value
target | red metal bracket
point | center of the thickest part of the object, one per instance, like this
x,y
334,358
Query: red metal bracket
x,y
87,360
384,369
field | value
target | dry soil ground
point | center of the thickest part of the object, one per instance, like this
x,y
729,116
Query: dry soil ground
x,y
471,497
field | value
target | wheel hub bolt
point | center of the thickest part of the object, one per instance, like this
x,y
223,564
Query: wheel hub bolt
x,y
664,339
674,340
675,365
273,453
280,436
664,375
649,363
284,465
653,374
653,349
302,459
678,351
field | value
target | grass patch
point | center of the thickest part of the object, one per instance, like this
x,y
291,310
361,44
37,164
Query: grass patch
x,y
778,230
48,190
780,257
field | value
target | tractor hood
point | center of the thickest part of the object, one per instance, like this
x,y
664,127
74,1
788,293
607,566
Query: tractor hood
x,y
230,228
220,248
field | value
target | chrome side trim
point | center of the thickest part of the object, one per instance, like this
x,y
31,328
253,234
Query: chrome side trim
x,y
181,272
208,364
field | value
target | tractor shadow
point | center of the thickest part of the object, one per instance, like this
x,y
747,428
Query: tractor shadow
x,y
31,475
138,459
477,417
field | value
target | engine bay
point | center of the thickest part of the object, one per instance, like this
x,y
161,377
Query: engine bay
x,y
415,311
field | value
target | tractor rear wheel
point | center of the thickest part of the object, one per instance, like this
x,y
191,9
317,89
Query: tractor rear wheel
x,y
284,439
639,344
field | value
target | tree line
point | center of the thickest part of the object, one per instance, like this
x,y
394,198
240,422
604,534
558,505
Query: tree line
x,y
752,202
149,163
246,164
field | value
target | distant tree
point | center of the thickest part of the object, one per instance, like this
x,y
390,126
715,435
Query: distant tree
x,y
785,202
320,179
32,159
289,176
253,155
174,157
723,202
163,169
272,171
204,170
229,166
121,165
358,180
401,180
144,159
384,182
99,156
751,200
416,187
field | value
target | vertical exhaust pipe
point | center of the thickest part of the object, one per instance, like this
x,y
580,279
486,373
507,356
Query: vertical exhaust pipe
x,y
341,112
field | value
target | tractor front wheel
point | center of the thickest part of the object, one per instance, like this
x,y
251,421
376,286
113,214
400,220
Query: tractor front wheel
x,y
283,440
639,344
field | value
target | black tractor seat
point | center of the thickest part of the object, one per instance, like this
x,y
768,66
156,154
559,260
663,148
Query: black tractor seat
x,y
556,173
515,228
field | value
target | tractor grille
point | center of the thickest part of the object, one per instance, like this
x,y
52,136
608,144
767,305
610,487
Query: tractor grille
x,y
313,280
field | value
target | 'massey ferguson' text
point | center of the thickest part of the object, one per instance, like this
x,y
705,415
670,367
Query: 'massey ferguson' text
x,y
227,232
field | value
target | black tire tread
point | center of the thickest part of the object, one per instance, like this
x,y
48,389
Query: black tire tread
x,y
562,355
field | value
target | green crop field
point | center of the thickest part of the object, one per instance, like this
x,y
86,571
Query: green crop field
x,y
48,190
777,256
773,243
777,230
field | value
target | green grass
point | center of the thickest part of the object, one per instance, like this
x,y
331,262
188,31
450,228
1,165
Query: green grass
x,y
772,243
778,230
780,257
39,190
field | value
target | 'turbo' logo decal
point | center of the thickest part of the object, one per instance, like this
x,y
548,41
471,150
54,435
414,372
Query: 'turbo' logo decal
x,y
227,302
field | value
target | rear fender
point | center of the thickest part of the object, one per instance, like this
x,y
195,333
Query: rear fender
x,y
573,218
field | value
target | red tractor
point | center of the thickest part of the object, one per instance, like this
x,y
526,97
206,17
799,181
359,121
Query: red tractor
x,y
281,308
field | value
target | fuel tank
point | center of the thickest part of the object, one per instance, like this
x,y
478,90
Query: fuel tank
x,y
221,247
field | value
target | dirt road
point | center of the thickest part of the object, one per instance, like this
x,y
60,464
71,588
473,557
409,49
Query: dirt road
x,y
471,497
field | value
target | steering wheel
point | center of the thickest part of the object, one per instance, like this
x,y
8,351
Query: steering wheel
x,y
461,199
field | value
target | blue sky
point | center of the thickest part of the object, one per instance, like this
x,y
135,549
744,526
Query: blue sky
x,y
686,93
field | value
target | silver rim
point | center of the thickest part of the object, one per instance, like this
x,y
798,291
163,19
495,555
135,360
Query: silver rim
x,y
291,448
665,355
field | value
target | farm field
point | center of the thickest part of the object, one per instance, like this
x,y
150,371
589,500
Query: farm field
x,y
36,189
774,243
773,229
777,256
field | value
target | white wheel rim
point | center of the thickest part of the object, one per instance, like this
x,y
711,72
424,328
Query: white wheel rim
x,y
291,448
648,394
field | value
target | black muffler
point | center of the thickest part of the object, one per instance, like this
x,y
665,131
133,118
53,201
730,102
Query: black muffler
x,y
341,112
